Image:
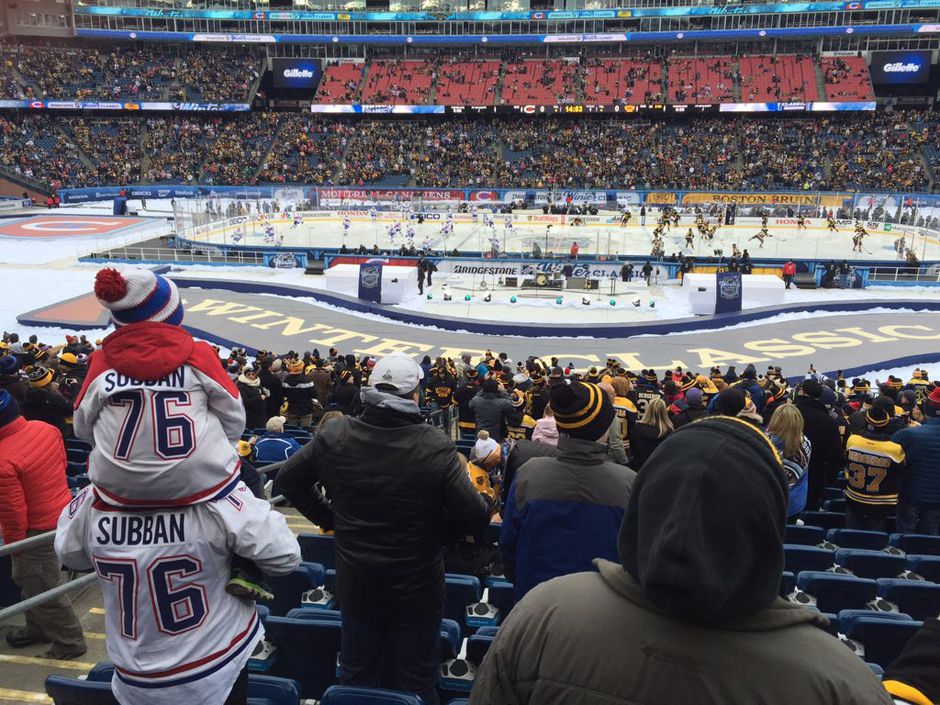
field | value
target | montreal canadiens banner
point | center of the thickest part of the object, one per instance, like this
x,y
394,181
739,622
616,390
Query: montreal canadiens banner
x,y
370,281
728,292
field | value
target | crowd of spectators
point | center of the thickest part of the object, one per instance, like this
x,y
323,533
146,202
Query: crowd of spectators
x,y
884,150
129,73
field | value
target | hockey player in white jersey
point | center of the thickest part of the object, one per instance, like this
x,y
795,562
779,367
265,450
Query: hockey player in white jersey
x,y
174,634
268,233
159,409
346,226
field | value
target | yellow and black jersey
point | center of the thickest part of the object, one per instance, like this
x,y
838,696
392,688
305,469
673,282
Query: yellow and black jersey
x,y
520,430
627,414
873,468
644,395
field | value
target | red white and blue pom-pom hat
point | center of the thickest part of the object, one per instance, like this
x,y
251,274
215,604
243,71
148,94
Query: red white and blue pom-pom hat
x,y
137,295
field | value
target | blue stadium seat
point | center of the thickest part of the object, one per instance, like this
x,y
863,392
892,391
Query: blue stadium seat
x,y
916,543
800,558
854,538
309,613
877,670
883,639
833,493
925,566
459,701
848,618
71,691
349,695
919,599
288,589
76,455
501,595
307,652
318,548
787,583
827,520
77,444
804,535
871,564
834,592
477,646
487,631
462,590
834,505
262,690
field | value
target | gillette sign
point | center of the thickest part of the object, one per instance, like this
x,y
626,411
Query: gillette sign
x,y
296,74
900,67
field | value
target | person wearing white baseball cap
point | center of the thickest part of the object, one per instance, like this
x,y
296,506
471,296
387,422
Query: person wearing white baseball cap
x,y
396,491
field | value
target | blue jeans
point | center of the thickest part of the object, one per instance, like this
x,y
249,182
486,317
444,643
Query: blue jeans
x,y
399,654
918,518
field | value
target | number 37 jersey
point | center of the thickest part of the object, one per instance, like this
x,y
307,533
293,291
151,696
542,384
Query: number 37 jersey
x,y
173,633
163,417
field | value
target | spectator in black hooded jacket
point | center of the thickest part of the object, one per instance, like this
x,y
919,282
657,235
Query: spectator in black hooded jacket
x,y
300,394
823,434
396,491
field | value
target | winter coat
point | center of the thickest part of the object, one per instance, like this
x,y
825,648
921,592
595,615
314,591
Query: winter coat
x,y
274,447
323,383
823,434
346,398
546,431
46,404
539,659
395,493
275,387
255,407
921,479
644,439
300,394
687,413
32,478
521,452
563,512
491,410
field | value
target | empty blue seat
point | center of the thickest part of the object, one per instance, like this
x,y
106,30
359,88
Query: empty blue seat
x,y
833,493
827,520
501,595
871,564
804,535
462,590
477,646
459,701
834,505
312,613
916,543
848,618
73,443
787,583
834,592
76,455
883,639
919,599
307,652
71,691
925,566
288,589
350,695
855,538
487,631
318,548
800,558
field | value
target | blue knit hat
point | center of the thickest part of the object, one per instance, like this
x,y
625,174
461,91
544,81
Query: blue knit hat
x,y
138,295
9,409
9,366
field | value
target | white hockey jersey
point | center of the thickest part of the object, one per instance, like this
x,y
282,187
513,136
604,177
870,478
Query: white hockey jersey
x,y
173,633
163,418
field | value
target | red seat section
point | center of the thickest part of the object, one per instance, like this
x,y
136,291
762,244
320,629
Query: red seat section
x,y
397,83
630,81
339,84
540,82
847,78
704,80
467,83
768,79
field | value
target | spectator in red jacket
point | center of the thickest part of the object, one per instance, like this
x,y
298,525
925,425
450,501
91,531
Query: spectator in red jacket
x,y
34,491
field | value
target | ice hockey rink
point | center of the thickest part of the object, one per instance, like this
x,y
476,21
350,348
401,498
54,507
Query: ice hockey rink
x,y
535,234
